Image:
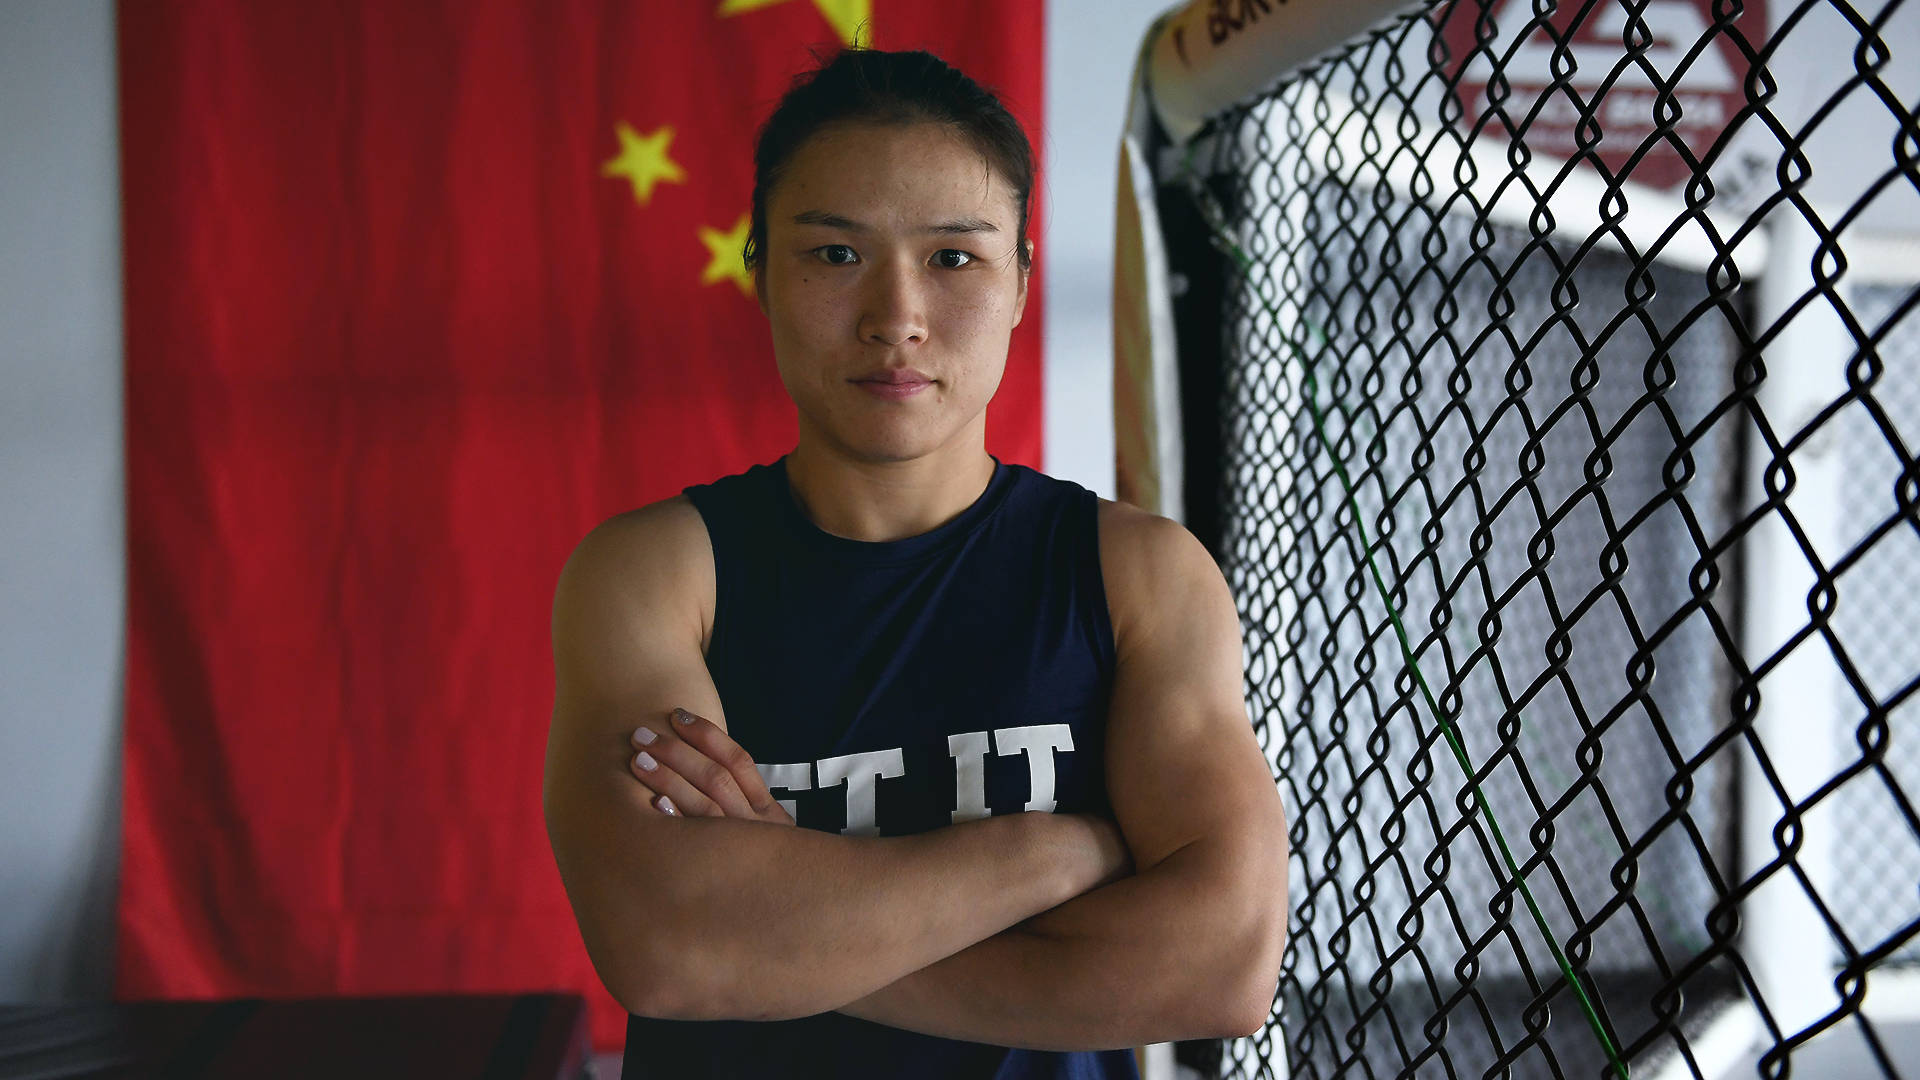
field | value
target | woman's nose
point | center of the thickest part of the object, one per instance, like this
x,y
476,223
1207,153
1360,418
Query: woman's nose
x,y
893,311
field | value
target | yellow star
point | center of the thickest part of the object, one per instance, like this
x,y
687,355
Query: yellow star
x,y
846,16
643,160
723,249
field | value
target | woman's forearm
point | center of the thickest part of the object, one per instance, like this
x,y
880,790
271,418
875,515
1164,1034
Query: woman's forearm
x,y
710,918
1187,949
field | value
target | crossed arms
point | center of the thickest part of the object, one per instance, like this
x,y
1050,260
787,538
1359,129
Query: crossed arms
x,y
1018,930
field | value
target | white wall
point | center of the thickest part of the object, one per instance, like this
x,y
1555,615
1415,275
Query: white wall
x,y
62,519
1090,50
62,522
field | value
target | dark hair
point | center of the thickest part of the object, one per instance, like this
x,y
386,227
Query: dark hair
x,y
875,87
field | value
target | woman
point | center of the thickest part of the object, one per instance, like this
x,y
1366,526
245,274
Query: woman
x,y
914,644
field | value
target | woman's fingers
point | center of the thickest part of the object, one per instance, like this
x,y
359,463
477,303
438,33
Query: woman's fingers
x,y
695,765
656,800
699,786
667,791
712,741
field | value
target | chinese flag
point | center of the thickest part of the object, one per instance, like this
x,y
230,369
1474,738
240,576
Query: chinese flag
x,y
416,294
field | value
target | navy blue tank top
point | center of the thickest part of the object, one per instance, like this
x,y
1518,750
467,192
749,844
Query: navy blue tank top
x,y
891,688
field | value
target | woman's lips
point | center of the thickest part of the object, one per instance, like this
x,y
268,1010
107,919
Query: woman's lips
x,y
893,385
892,391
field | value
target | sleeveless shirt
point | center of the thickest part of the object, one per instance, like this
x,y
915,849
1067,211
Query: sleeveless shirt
x,y
892,688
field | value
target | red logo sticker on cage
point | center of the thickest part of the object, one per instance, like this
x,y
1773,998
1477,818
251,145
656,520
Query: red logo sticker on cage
x,y
1651,96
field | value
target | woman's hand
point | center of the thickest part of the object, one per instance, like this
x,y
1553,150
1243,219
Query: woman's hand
x,y
695,769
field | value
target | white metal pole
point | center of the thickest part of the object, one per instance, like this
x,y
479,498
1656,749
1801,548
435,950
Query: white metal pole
x,y
1783,940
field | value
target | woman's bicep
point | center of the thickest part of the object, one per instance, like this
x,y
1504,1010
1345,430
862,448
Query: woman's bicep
x,y
627,629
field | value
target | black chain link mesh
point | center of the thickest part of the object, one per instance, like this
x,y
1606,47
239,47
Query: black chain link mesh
x,y
1547,451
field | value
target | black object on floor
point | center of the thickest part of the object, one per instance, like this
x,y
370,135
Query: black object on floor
x,y
481,1037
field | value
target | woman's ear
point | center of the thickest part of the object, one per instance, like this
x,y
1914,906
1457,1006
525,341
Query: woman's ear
x,y
1020,300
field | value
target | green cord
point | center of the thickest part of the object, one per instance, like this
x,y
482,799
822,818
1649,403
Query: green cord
x,y
1456,745
1312,392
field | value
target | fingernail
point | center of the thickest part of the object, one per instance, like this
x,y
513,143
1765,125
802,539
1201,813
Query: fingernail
x,y
645,736
666,806
682,716
645,761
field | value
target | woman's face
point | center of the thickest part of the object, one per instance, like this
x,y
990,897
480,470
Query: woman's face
x,y
892,286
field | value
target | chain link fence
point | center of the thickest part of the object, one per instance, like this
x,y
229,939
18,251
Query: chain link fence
x,y
1564,378
1878,855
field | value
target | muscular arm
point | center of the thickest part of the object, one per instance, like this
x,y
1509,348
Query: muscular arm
x,y
704,918
1190,946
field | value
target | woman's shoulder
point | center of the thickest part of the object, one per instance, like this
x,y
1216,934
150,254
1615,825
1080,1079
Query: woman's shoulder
x,y
1136,534
655,559
659,539
1145,559
683,522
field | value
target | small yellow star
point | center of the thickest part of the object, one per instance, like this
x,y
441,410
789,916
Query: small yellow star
x,y
724,261
846,16
643,160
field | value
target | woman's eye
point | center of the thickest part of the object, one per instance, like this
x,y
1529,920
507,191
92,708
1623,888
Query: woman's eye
x,y
835,254
943,255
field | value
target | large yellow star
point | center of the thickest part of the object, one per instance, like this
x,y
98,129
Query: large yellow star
x,y
846,16
643,160
724,261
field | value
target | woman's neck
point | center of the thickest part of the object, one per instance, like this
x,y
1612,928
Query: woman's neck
x,y
886,500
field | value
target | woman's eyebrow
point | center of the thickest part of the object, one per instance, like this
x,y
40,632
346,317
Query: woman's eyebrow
x,y
963,225
956,227
830,220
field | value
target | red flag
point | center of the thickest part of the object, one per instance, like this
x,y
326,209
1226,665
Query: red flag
x,y
416,295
